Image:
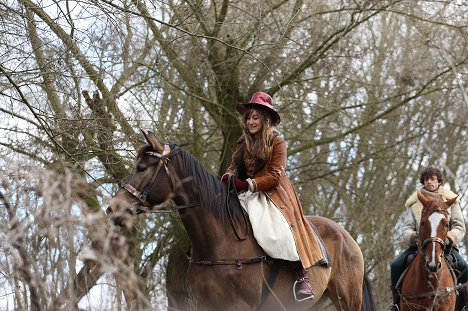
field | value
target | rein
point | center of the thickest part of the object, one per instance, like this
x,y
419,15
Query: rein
x,y
438,293
244,217
237,262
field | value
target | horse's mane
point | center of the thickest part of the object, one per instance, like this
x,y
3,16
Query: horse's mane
x,y
211,191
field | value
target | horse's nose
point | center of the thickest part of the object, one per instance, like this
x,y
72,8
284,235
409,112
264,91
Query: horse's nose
x,y
432,267
117,220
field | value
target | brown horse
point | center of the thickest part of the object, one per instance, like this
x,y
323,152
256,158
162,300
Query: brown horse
x,y
429,282
228,270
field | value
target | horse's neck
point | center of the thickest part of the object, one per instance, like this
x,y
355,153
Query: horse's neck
x,y
210,236
212,239
201,225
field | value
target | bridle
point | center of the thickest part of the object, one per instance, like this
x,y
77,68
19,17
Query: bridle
x,y
422,247
432,239
144,205
435,239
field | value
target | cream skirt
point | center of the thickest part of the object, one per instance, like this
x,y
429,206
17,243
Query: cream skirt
x,y
270,228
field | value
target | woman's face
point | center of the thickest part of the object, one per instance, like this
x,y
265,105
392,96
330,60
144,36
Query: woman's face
x,y
253,122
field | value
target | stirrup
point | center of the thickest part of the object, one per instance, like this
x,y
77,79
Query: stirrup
x,y
311,296
395,307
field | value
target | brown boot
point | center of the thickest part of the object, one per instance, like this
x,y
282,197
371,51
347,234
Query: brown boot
x,y
302,288
395,306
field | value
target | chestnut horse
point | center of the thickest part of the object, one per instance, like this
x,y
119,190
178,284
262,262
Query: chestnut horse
x,y
228,270
429,283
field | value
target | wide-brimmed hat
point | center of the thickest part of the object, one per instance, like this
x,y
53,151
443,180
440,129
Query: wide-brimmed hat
x,y
261,100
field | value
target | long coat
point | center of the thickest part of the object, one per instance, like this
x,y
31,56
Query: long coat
x,y
412,215
270,177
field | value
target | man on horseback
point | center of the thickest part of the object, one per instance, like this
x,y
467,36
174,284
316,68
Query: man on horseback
x,y
431,178
258,167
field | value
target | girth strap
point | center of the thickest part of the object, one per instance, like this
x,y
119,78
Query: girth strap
x,y
237,262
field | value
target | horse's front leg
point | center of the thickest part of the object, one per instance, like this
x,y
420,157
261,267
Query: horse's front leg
x,y
225,287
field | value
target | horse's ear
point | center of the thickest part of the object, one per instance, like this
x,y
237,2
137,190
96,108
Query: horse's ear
x,y
451,201
144,133
423,199
152,141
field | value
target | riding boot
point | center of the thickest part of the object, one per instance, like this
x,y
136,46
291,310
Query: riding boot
x,y
464,296
302,288
395,306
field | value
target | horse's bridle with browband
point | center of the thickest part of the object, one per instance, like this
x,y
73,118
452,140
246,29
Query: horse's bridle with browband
x,y
429,240
435,239
144,205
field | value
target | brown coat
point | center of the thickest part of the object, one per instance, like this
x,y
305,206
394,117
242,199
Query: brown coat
x,y
270,177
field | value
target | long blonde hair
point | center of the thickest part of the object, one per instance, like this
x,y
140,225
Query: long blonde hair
x,y
259,144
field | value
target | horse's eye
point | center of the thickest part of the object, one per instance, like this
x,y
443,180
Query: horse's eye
x,y
140,168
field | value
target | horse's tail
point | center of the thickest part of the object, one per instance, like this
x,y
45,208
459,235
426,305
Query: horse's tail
x,y
368,298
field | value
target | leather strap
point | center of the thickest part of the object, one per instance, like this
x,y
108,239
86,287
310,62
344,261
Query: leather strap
x,y
237,262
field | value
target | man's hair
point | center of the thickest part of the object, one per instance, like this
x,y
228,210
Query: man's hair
x,y
430,171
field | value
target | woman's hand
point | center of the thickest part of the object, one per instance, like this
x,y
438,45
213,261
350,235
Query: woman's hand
x,y
241,185
225,178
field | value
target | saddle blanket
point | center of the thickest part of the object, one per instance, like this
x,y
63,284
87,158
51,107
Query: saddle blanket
x,y
270,228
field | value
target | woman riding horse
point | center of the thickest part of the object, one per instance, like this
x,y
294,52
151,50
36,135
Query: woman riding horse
x,y
431,178
227,270
258,165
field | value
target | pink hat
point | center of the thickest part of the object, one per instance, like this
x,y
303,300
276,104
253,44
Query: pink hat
x,y
261,100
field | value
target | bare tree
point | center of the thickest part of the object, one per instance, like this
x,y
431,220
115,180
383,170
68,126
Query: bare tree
x,y
368,91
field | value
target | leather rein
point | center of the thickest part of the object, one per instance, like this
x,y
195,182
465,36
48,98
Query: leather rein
x,y
231,186
146,207
438,293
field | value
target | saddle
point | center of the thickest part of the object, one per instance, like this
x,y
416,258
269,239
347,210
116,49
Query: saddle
x,y
326,261
452,261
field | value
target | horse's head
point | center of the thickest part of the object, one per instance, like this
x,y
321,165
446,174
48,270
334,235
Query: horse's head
x,y
153,181
433,230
